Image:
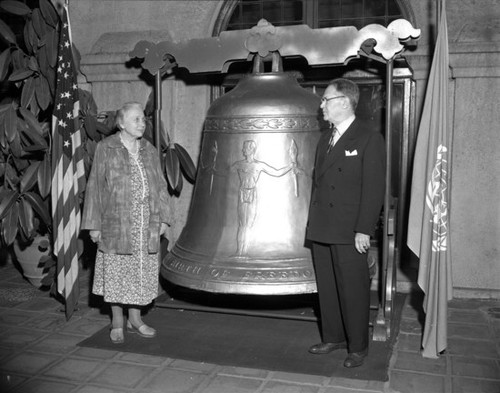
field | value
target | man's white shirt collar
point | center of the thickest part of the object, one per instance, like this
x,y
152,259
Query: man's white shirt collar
x,y
344,125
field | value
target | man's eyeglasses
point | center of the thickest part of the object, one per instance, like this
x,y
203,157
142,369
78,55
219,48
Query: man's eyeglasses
x,y
326,99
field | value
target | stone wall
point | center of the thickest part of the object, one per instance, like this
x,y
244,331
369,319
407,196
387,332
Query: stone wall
x,y
106,30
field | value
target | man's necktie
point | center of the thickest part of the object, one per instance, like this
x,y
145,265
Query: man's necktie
x,y
331,142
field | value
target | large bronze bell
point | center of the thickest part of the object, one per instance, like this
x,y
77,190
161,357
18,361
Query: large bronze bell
x,y
245,230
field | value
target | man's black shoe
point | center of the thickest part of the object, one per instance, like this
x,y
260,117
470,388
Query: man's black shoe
x,y
355,359
322,348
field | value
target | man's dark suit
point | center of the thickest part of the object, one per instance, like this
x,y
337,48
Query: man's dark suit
x,y
347,196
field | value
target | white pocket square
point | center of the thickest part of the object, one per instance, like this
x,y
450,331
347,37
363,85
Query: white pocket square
x,y
351,153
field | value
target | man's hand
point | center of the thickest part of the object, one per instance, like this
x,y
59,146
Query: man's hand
x,y
362,242
95,236
163,229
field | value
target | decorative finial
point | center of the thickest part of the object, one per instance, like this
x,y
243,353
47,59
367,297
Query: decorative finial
x,y
263,39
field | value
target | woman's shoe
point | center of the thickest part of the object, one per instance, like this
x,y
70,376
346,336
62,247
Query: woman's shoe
x,y
116,336
143,330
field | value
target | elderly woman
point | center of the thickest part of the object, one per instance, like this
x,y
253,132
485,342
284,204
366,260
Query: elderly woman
x,y
126,212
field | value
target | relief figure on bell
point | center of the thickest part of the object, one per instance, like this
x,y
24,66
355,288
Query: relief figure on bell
x,y
249,170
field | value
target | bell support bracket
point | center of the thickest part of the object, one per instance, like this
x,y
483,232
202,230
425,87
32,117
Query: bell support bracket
x,y
321,47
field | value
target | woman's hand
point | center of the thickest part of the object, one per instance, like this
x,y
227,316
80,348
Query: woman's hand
x,y
163,229
95,236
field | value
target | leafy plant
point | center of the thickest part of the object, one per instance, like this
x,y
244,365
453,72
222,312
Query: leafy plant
x,y
27,71
29,44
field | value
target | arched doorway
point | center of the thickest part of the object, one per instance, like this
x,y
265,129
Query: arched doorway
x,y
370,75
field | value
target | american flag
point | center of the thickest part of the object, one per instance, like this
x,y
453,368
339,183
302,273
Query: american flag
x,y
68,176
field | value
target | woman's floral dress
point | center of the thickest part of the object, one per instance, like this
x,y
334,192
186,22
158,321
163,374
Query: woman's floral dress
x,y
131,279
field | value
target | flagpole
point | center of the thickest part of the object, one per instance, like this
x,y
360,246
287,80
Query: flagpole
x,y
439,6
66,7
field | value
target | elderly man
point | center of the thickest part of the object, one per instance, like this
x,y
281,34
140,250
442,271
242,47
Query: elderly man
x,y
347,196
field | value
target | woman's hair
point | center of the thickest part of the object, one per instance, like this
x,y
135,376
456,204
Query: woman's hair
x,y
120,113
348,88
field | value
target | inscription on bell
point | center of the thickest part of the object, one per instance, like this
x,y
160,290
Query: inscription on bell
x,y
219,273
283,275
184,267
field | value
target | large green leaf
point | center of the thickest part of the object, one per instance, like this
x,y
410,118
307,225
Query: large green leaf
x,y
42,92
20,74
87,103
30,148
43,61
35,110
31,37
77,57
50,75
44,177
8,199
18,59
90,147
10,123
11,178
28,92
172,166
186,162
9,224
20,164
51,43
90,124
31,120
15,7
26,37
103,129
15,146
4,63
180,184
38,23
30,177
108,118
7,33
46,128
49,13
37,142
26,217
33,64
39,206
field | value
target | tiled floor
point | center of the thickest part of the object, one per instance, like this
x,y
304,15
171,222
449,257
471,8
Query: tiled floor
x,y
38,353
